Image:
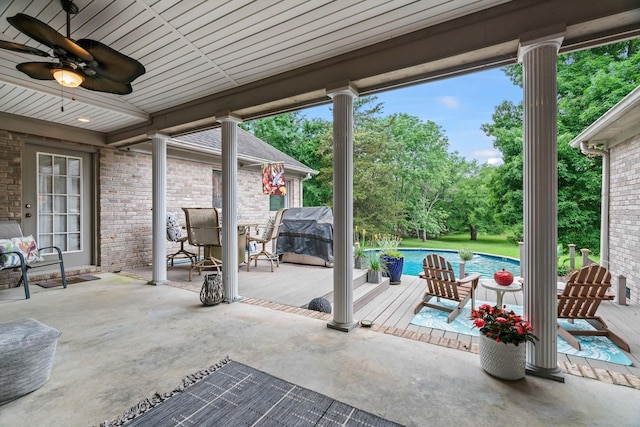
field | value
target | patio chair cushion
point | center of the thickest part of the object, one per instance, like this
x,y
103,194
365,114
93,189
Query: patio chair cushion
x,y
27,349
174,232
26,245
268,229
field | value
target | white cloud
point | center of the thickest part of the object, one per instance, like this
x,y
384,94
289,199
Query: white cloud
x,y
494,161
450,102
486,154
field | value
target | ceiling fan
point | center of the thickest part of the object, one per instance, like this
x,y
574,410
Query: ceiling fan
x,y
85,63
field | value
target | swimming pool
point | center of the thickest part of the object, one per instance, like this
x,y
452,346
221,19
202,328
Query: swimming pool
x,y
484,264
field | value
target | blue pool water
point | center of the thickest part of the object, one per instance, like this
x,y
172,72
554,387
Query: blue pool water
x,y
486,265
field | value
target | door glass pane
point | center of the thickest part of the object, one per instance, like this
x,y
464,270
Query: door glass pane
x,y
46,224
46,183
59,201
60,165
74,242
74,186
73,204
60,240
60,204
60,223
44,241
74,167
60,184
45,163
45,204
73,223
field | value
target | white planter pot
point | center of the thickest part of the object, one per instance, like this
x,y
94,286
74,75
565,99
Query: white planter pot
x,y
504,361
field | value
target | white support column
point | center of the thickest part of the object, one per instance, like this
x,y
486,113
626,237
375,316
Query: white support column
x,y
229,205
538,56
343,208
159,203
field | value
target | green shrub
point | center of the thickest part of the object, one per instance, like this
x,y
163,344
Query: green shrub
x,y
465,254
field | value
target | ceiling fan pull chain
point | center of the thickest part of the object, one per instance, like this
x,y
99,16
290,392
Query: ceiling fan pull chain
x,y
61,99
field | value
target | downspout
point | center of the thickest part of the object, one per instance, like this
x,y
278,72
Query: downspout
x,y
604,204
302,187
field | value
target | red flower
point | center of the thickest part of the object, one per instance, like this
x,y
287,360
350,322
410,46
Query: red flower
x,y
501,320
479,323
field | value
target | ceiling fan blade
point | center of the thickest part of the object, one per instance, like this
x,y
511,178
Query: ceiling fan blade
x,y
23,48
112,64
46,35
38,70
101,84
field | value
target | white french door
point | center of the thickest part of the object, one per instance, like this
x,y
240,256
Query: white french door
x,y
57,205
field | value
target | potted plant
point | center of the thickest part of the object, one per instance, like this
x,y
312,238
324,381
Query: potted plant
x,y
374,274
465,255
503,337
359,253
360,257
392,259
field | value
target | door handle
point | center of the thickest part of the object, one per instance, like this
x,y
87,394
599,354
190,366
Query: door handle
x,y
28,215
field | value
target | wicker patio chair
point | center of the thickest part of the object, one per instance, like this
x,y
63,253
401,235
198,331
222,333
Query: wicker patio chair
x,y
203,230
270,234
175,234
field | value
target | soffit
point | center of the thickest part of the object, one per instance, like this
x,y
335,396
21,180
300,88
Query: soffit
x,y
254,57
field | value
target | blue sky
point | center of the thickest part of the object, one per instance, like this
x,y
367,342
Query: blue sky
x,y
460,105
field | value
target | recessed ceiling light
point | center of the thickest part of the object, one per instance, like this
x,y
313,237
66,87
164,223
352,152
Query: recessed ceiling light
x,y
84,119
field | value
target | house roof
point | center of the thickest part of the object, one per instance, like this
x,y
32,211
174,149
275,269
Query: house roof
x,y
617,125
251,149
254,58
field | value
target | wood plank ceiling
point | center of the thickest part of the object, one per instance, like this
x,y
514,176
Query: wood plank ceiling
x,y
198,48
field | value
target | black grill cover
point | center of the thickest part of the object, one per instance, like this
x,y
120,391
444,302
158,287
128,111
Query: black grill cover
x,y
307,231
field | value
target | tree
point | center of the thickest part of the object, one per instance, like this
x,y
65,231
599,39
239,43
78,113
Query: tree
x,y
299,138
470,205
589,83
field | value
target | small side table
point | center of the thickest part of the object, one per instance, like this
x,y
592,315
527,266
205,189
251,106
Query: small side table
x,y
500,290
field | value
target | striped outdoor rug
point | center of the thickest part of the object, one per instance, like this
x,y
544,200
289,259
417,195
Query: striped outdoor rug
x,y
233,394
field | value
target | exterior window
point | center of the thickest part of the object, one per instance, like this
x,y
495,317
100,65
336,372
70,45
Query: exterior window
x,y
276,202
216,186
279,202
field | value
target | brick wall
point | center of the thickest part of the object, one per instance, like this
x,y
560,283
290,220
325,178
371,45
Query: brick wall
x,y
10,189
126,201
624,214
10,176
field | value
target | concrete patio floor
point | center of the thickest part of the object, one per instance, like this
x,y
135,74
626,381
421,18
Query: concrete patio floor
x,y
122,340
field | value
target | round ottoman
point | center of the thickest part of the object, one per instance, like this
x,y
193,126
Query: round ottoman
x,y
27,348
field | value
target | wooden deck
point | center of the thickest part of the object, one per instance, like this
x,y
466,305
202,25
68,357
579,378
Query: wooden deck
x,y
392,305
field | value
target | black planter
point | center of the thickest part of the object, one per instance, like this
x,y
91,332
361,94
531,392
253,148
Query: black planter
x,y
393,268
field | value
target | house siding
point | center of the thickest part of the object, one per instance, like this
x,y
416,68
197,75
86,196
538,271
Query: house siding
x,y
624,214
125,199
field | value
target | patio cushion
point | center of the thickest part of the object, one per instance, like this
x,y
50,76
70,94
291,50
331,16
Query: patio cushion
x,y
26,245
174,232
27,349
28,248
8,260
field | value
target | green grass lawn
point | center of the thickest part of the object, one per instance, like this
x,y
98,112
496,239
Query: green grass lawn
x,y
491,244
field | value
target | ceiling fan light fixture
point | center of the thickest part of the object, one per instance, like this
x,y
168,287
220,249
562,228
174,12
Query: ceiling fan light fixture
x,y
67,78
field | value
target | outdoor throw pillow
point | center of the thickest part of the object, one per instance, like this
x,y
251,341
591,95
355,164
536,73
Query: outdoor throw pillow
x,y
268,229
28,248
174,232
8,260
